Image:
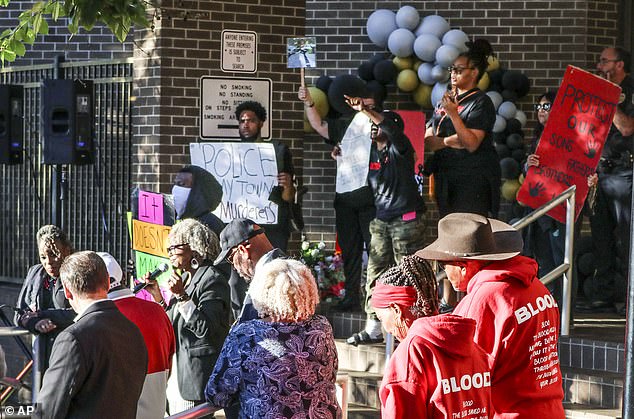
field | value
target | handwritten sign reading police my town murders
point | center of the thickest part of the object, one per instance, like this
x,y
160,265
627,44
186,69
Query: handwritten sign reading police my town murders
x,y
247,173
219,98
150,238
571,144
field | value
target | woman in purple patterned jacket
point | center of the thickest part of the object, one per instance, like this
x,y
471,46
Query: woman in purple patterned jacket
x,y
285,363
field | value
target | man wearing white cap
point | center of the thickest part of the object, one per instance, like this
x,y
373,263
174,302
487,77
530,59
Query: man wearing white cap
x,y
517,319
158,334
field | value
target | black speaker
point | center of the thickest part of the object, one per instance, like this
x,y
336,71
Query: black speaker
x,y
11,124
67,121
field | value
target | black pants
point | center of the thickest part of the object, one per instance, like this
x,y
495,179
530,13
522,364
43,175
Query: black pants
x,y
610,226
353,216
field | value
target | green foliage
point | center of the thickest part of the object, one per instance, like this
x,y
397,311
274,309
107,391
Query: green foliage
x,y
118,15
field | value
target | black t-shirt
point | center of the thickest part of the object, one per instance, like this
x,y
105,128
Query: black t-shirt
x,y
391,175
477,112
616,145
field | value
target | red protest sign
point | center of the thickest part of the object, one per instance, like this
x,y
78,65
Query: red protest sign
x,y
415,130
571,144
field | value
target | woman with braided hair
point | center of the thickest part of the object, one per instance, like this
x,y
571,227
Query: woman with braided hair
x,y
437,371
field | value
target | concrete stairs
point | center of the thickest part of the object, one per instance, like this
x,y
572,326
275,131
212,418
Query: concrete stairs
x,y
592,368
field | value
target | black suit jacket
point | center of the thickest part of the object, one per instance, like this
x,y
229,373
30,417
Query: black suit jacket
x,y
199,340
97,367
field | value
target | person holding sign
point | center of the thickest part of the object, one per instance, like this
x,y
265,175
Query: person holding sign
x,y
610,222
517,319
199,310
354,203
398,228
251,116
422,378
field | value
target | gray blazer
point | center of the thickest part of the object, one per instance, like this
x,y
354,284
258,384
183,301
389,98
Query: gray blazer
x,y
97,367
199,340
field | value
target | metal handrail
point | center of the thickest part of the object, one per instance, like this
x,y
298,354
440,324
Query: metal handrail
x,y
199,411
566,267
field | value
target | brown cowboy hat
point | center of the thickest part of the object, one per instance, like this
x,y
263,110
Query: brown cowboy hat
x,y
465,236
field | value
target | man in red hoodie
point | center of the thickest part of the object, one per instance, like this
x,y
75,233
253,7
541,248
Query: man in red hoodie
x,y
517,319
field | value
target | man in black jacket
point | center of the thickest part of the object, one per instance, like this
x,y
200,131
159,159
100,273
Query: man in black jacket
x,y
99,359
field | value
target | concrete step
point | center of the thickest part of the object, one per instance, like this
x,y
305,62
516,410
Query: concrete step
x,y
363,388
363,412
597,389
362,358
591,354
580,411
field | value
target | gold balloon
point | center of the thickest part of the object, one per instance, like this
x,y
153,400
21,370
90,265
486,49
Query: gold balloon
x,y
494,63
484,82
321,101
307,127
403,63
407,80
509,189
422,96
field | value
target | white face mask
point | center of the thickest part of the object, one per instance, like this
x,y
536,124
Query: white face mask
x,y
180,194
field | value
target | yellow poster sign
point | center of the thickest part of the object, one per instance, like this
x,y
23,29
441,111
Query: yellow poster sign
x,y
150,238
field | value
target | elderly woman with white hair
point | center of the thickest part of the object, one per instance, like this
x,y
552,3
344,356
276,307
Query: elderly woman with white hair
x,y
283,364
199,309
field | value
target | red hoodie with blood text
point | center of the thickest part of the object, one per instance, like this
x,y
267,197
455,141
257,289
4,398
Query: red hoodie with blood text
x,y
517,324
437,372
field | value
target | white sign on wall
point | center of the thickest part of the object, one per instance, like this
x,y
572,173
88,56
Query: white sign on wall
x,y
239,51
247,173
219,97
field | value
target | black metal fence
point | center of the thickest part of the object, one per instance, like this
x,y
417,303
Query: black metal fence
x,y
97,197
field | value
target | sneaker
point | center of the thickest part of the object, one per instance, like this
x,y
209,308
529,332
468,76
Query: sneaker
x,y
363,338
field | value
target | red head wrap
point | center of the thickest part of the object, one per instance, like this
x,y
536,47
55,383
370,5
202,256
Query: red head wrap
x,y
384,295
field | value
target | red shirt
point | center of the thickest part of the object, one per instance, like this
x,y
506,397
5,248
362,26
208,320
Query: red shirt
x,y
437,372
517,323
158,334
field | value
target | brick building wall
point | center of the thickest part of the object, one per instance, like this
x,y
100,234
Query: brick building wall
x,y
539,38
97,44
185,45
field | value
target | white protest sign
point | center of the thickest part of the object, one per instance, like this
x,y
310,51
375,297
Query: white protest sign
x,y
353,163
247,173
219,97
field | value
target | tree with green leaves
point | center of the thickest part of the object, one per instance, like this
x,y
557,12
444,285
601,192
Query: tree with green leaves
x,y
118,15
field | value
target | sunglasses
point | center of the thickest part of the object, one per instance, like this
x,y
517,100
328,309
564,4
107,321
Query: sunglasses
x,y
607,60
458,70
234,250
543,106
176,246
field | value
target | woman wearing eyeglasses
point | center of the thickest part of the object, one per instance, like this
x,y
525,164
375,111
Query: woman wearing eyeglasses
x,y
545,239
199,309
465,164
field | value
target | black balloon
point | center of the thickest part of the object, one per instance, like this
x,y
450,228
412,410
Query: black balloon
x,y
518,154
514,141
502,150
366,71
513,126
510,168
378,91
323,83
345,84
385,71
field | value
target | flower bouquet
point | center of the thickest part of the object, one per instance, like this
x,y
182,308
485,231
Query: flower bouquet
x,y
327,268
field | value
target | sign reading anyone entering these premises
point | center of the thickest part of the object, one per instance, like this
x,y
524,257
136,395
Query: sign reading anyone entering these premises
x,y
219,97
